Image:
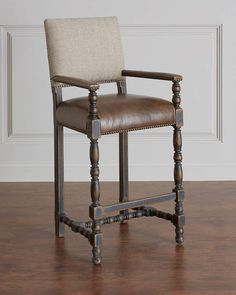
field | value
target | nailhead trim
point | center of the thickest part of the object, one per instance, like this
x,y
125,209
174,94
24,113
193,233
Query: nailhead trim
x,y
121,130
138,128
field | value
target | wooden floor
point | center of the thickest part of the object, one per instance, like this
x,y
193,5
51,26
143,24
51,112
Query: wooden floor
x,y
139,257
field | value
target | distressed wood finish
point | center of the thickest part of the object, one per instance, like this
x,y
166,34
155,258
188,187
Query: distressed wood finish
x,y
176,94
178,171
139,202
121,87
58,165
93,122
152,75
95,195
178,176
96,237
123,167
123,155
92,105
78,227
83,227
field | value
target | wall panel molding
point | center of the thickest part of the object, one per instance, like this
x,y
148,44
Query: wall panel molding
x,y
28,156
212,31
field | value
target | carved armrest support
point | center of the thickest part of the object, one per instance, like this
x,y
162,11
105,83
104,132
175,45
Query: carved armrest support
x,y
93,123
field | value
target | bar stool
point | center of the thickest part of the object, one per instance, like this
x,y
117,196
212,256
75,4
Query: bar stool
x,y
87,52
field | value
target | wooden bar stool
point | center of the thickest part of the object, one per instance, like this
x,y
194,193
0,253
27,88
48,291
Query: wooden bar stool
x,y
85,53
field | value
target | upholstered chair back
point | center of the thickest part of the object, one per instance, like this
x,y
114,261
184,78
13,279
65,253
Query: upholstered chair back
x,y
85,48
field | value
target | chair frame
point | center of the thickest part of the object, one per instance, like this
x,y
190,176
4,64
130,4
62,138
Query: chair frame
x,y
92,229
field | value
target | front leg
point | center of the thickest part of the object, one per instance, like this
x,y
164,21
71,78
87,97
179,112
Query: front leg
x,y
179,218
95,195
94,131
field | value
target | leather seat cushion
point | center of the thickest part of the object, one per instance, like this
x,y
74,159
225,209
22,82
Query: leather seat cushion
x,y
117,113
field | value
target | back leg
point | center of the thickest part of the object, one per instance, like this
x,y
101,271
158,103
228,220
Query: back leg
x,y
59,179
123,167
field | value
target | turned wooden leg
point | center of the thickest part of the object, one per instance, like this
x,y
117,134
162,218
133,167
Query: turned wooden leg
x,y
59,179
96,240
178,177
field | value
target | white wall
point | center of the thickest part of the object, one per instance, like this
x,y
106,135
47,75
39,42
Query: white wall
x,y
193,38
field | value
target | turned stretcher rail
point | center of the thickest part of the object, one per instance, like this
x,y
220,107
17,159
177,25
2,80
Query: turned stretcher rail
x,y
139,202
83,227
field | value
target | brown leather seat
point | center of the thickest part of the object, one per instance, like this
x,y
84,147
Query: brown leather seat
x,y
117,113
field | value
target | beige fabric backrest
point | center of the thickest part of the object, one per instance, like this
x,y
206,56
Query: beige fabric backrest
x,y
85,48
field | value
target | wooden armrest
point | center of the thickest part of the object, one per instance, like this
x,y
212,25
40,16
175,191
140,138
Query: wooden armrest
x,y
90,85
152,75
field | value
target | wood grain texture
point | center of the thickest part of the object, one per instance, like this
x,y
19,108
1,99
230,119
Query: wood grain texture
x,y
96,242
58,165
141,255
178,176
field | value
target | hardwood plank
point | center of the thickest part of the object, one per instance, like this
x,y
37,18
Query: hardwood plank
x,y
139,257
